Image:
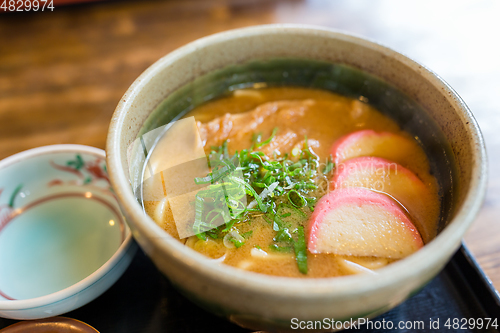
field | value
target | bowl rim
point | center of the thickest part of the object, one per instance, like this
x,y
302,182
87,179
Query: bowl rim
x,y
446,242
31,303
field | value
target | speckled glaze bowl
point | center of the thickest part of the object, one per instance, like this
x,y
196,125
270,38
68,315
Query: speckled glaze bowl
x,y
414,96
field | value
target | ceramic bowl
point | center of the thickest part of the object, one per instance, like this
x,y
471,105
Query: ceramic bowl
x,y
415,97
63,239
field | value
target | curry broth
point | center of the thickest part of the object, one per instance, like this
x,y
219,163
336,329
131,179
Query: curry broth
x,y
322,117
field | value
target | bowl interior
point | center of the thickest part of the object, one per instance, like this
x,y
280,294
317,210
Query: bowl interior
x,y
59,221
339,78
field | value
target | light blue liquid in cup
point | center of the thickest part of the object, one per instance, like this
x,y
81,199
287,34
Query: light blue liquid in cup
x,y
56,244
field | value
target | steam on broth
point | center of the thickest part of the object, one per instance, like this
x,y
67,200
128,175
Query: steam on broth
x,y
328,185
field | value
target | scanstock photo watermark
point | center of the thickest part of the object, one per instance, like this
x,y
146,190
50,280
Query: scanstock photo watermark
x,y
382,324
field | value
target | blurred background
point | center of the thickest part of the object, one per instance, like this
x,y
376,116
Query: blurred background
x,y
62,72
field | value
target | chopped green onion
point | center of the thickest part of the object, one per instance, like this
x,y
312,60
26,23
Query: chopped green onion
x,y
311,203
268,219
329,165
213,235
296,199
295,166
283,235
257,154
303,185
301,251
202,236
251,192
267,183
247,234
273,134
237,242
229,225
276,226
224,149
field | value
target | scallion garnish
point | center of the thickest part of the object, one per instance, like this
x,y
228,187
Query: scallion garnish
x,y
237,242
329,165
273,134
301,250
296,199
282,189
283,235
247,234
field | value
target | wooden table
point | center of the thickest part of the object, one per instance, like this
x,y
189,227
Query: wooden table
x,y
63,72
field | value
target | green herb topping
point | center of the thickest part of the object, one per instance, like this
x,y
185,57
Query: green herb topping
x,y
282,190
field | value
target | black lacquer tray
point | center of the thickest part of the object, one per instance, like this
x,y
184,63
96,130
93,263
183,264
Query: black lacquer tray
x,y
144,301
